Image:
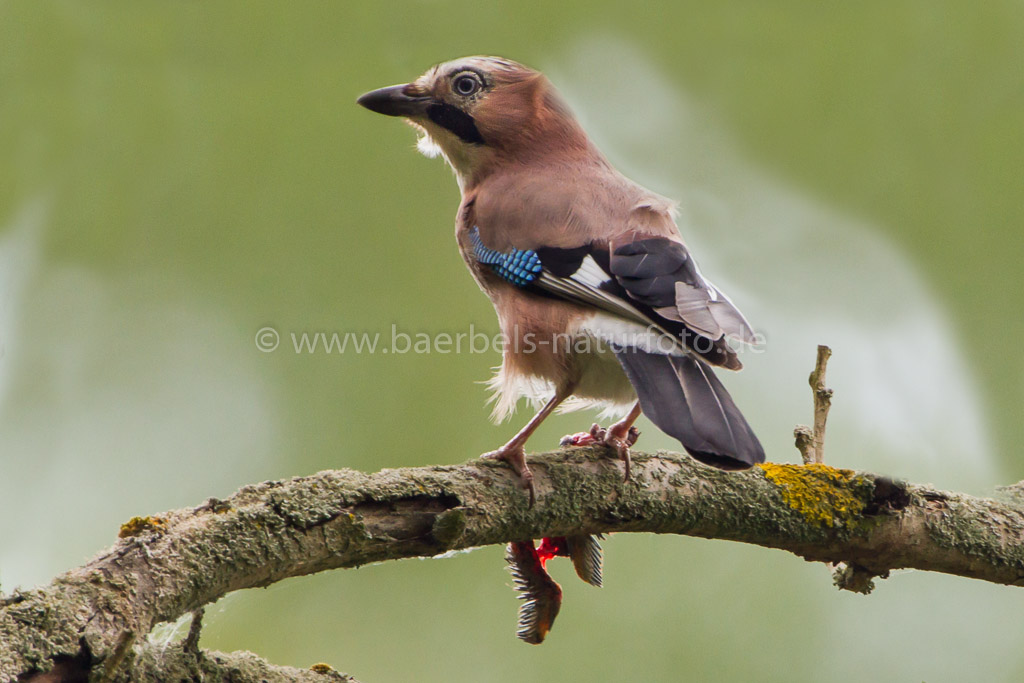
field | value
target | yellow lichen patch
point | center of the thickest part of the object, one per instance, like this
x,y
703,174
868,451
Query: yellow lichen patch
x,y
136,525
824,495
322,668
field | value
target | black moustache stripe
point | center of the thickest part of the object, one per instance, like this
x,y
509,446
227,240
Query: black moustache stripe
x,y
455,120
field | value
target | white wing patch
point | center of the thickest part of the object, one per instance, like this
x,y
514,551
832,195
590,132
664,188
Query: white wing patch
x,y
612,330
585,286
589,273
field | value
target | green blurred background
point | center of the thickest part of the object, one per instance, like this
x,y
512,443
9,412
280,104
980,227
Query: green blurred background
x,y
177,176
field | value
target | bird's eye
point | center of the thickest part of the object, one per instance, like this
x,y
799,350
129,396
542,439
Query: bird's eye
x,y
467,84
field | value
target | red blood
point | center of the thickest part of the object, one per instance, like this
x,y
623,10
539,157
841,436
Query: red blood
x,y
552,547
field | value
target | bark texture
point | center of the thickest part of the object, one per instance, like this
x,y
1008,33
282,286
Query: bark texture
x,y
93,621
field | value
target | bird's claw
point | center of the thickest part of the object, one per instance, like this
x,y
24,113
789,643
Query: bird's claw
x,y
621,448
618,438
516,458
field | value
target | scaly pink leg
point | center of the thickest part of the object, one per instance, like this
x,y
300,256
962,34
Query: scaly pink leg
x,y
514,452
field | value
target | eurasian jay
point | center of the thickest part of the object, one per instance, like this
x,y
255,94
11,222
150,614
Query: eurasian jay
x,y
600,303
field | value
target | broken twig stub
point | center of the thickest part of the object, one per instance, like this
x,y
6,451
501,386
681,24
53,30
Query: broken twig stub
x,y
810,441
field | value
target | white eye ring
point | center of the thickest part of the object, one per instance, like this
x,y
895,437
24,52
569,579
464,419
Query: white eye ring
x,y
466,84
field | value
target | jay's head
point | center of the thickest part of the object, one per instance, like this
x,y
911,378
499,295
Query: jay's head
x,y
481,112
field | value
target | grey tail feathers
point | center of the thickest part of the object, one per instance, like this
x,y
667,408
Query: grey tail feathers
x,y
682,396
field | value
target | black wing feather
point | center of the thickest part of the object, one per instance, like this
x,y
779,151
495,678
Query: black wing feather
x,y
682,396
649,269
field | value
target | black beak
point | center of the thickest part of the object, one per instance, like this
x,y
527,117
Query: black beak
x,y
393,101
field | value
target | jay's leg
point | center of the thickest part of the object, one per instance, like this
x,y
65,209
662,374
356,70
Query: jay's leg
x,y
620,436
514,452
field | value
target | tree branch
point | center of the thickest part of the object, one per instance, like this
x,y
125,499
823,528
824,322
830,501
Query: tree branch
x,y
811,441
169,565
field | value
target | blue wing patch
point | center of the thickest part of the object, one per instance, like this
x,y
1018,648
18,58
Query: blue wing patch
x,y
519,266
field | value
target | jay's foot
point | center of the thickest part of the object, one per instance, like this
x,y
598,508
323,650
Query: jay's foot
x,y
515,456
619,437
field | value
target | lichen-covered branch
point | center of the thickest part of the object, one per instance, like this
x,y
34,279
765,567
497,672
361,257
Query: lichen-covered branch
x,y
96,617
175,663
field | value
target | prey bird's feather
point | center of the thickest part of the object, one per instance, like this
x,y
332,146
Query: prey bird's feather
x,y
541,596
587,557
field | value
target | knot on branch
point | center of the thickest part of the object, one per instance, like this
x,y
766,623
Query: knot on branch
x,y
854,578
